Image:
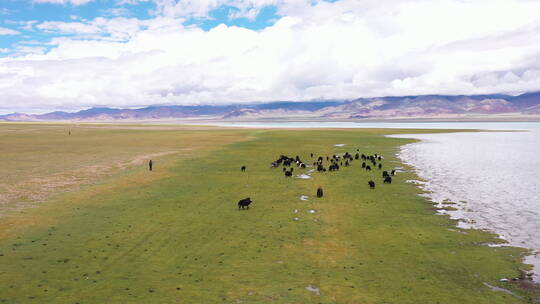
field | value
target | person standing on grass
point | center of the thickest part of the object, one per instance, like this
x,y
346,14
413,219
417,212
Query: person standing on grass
x,y
150,165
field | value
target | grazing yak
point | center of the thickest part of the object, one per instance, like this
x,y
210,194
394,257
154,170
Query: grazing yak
x,y
385,174
393,172
319,192
387,180
244,203
363,164
371,184
380,166
150,165
288,173
368,168
243,168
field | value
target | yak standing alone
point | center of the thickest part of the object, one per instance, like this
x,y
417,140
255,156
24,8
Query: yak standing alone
x,y
244,203
319,192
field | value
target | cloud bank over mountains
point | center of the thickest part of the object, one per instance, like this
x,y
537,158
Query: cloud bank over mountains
x,y
313,50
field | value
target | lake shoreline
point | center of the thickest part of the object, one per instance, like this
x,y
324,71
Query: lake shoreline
x,y
437,190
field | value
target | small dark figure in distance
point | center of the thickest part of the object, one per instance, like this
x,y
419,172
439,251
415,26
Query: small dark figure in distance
x,y
385,174
69,133
243,168
150,165
387,180
393,172
363,165
244,203
288,173
368,168
371,184
380,166
319,192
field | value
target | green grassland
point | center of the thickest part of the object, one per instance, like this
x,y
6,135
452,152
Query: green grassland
x,y
175,235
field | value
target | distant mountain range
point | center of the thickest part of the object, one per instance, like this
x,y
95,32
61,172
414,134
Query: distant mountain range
x,y
424,106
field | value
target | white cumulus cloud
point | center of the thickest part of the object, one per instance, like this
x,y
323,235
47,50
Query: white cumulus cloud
x,y
341,50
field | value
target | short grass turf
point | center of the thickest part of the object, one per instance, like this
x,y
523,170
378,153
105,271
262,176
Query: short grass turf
x,y
178,237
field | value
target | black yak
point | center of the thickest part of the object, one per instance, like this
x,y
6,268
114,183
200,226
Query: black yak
x,y
150,164
387,180
243,168
244,203
371,184
393,172
319,192
384,174
368,168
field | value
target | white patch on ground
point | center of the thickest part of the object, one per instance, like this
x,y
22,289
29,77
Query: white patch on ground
x,y
303,176
313,289
495,288
311,171
312,211
414,181
295,211
296,219
339,145
304,198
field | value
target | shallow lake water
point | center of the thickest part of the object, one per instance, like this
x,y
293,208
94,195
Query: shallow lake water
x,y
491,176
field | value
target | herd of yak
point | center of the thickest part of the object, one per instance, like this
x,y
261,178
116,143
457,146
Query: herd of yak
x,y
333,163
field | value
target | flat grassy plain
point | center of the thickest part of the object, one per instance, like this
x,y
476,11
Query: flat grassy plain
x,y
175,235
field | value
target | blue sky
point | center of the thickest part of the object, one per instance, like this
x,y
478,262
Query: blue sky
x,y
15,15
75,54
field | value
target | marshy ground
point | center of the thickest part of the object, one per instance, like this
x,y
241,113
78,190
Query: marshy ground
x,y
82,220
